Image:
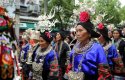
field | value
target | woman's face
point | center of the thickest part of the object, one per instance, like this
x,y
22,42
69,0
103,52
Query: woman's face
x,y
67,40
82,34
110,34
58,37
124,31
116,35
23,40
43,43
101,39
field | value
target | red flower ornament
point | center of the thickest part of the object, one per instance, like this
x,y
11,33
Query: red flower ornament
x,y
47,34
84,16
100,26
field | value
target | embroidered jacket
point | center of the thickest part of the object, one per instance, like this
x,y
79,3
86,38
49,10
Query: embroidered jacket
x,y
48,61
94,63
7,66
120,45
114,60
24,52
62,49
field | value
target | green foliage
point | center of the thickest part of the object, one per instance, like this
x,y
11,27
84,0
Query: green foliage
x,y
111,9
64,10
122,13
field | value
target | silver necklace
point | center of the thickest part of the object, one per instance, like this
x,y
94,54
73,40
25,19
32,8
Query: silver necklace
x,y
42,53
38,66
82,51
106,47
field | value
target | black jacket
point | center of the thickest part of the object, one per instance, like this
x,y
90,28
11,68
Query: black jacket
x,y
121,49
62,55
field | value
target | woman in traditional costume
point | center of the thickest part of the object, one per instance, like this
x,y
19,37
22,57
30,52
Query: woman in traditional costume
x,y
120,45
34,39
114,59
45,64
62,49
25,47
87,58
34,42
24,55
110,35
7,59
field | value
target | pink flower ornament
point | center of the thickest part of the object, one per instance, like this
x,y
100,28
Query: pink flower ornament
x,y
100,26
47,34
84,16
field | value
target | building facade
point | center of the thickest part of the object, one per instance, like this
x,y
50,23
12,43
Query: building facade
x,y
24,12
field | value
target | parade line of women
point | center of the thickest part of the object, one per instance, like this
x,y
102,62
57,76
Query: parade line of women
x,y
94,55
90,52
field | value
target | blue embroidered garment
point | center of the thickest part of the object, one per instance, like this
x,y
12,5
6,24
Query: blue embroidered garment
x,y
25,50
94,56
49,57
43,59
115,61
111,54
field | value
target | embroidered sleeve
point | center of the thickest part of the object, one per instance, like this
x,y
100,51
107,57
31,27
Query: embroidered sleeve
x,y
103,72
119,66
54,67
69,66
68,63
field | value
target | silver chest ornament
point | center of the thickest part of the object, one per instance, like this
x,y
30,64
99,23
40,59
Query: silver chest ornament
x,y
29,58
22,56
38,67
37,70
73,75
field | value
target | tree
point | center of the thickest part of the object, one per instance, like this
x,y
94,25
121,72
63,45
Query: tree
x,y
64,10
111,8
122,13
